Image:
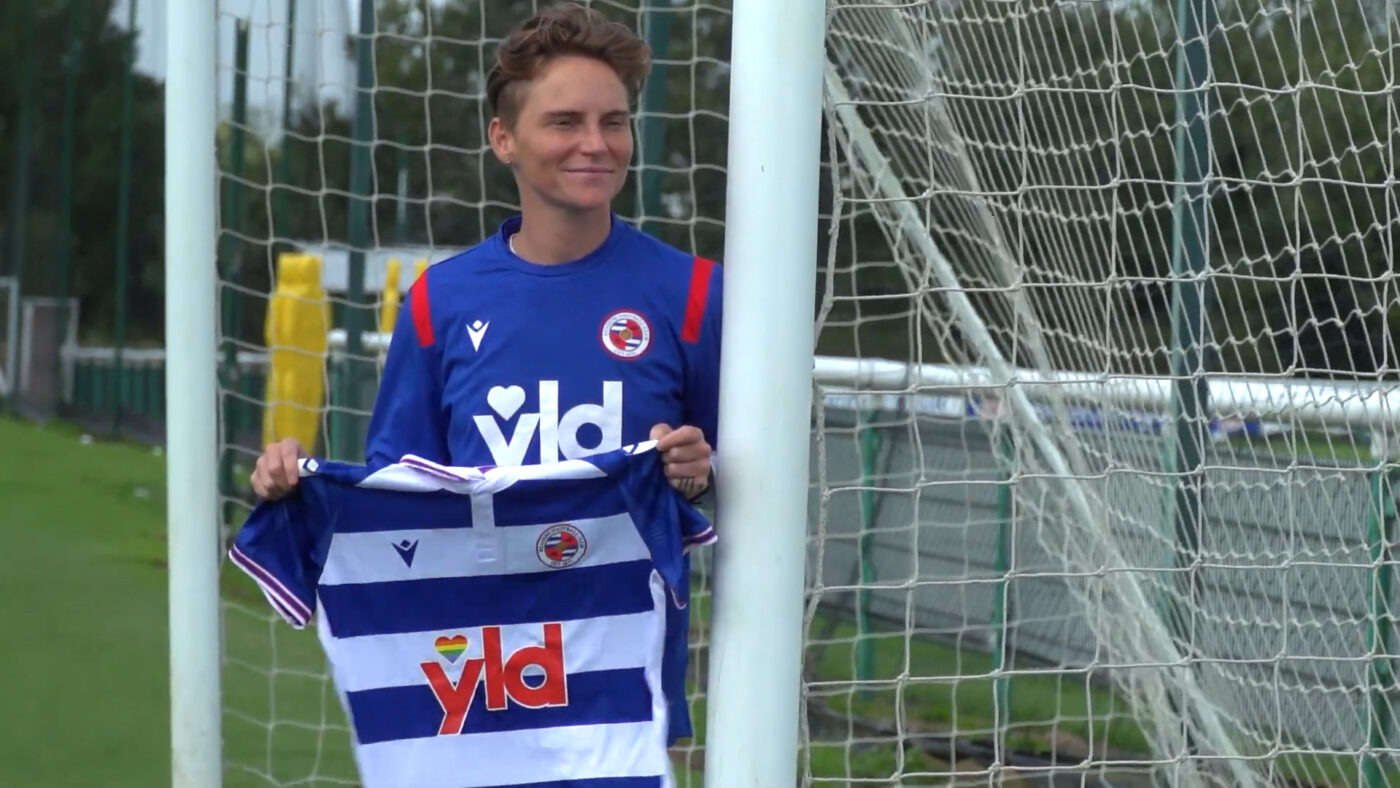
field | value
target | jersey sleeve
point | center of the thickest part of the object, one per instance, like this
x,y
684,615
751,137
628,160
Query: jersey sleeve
x,y
700,336
408,416
669,526
282,547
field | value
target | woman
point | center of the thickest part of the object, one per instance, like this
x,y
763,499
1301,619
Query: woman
x,y
567,332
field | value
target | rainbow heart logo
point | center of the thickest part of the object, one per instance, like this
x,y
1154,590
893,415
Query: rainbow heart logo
x,y
452,647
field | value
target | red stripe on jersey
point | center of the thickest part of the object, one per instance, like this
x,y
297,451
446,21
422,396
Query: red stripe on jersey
x,y
695,302
422,316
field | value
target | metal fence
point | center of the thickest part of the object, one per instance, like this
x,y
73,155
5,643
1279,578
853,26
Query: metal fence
x,y
915,520
1293,621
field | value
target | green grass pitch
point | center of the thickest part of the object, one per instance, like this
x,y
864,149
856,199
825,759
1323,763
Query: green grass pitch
x,y
83,600
84,679
83,590
84,673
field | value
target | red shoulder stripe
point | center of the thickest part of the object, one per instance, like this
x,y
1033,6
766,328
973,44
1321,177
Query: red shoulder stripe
x,y
422,315
695,302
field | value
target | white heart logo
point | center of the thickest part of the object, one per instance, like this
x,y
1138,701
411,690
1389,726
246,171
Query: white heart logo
x,y
505,400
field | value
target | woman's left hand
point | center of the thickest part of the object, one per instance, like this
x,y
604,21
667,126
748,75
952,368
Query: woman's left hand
x,y
686,456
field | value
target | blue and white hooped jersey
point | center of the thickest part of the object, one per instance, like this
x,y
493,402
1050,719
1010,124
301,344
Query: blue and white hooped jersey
x,y
491,627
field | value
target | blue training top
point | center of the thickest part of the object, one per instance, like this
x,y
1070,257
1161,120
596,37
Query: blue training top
x,y
498,361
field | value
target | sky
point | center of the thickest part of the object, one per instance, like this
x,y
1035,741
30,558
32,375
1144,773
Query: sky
x,y
323,64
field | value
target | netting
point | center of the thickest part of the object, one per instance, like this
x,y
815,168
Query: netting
x,y
1187,581
1035,552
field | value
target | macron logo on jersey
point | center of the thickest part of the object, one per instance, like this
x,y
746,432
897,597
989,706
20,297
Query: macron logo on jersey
x,y
476,331
558,432
406,550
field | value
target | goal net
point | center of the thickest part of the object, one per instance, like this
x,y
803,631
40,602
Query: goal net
x,y
1105,419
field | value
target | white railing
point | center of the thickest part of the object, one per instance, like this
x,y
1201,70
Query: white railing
x,y
1315,404
1305,403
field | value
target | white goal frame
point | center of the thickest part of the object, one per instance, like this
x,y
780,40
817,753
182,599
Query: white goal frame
x,y
775,121
191,387
771,245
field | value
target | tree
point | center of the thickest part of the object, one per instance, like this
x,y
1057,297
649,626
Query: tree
x,y
1306,212
1065,138
430,117
102,57
1067,114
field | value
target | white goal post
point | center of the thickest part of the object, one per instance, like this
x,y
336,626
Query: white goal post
x,y
192,419
775,102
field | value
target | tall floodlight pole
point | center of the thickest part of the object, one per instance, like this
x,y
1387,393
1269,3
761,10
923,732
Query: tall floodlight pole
x,y
775,97
192,423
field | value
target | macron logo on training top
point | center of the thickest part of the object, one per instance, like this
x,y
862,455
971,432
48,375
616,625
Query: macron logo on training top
x,y
476,331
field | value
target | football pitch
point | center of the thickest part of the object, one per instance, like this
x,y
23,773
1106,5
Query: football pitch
x,y
84,679
82,595
85,672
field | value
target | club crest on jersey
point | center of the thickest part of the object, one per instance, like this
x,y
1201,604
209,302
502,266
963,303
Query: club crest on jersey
x,y
560,546
626,334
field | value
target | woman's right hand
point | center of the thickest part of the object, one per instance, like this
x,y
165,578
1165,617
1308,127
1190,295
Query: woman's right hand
x,y
276,472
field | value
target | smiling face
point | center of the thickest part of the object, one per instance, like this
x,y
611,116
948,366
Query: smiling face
x,y
571,138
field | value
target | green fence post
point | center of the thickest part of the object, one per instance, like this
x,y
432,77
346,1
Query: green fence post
x,y
1190,404
651,154
19,195
1002,613
123,220
64,286
1380,534
136,399
284,162
348,431
869,438
154,402
228,254
101,389
82,384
